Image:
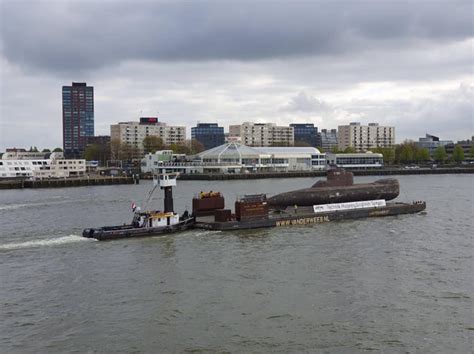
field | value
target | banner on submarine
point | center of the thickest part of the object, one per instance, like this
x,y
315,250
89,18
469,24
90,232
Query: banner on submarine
x,y
349,205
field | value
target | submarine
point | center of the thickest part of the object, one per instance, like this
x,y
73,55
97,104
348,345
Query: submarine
x,y
338,188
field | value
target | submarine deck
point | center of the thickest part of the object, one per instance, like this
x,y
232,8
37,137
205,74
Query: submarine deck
x,y
306,215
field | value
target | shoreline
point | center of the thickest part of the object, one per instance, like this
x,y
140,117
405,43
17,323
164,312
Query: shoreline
x,y
303,174
64,182
102,181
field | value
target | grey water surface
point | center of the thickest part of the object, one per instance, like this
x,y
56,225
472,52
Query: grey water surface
x,y
393,284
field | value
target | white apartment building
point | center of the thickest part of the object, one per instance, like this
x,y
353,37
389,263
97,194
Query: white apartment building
x,y
365,137
133,133
262,134
53,167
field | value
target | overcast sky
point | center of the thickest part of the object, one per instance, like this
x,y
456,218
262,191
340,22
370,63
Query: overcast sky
x,y
402,63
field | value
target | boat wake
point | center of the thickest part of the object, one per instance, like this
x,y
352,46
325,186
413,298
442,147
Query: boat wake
x,y
44,243
39,204
8,207
207,232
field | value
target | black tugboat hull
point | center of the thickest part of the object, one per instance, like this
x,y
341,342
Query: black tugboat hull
x,y
128,231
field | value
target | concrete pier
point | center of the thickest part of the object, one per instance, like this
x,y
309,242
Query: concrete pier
x,y
65,182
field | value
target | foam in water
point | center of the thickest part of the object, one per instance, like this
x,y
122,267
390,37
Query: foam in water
x,y
37,204
54,202
207,232
46,242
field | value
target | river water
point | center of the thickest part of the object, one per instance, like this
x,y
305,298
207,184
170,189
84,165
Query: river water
x,y
393,284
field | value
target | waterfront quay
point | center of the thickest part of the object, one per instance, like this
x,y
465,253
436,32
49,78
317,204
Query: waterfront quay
x,y
65,182
296,174
109,180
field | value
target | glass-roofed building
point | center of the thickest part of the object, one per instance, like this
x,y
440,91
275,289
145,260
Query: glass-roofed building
x,y
236,157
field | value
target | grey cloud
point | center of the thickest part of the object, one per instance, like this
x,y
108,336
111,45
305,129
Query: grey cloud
x,y
449,115
70,36
304,103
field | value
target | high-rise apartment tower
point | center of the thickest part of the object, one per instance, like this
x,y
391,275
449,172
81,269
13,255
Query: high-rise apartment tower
x,y
78,118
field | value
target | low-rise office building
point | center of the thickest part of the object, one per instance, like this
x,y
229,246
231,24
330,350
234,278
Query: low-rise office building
x,y
53,167
355,160
432,142
294,158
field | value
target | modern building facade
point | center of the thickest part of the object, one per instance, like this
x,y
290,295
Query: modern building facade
x,y
208,134
356,160
294,158
78,117
133,133
306,133
328,138
365,137
263,134
432,142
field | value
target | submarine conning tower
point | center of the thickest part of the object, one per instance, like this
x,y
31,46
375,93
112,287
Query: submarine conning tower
x,y
336,177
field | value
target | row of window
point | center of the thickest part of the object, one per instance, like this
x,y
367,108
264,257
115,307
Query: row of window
x,y
359,160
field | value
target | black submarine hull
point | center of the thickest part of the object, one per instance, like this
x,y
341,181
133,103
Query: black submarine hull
x,y
387,189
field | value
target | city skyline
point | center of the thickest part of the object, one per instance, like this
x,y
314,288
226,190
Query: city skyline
x,y
322,63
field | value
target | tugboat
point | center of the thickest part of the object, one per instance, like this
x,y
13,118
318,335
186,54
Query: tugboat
x,y
148,223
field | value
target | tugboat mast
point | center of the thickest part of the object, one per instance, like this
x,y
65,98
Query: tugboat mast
x,y
167,182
